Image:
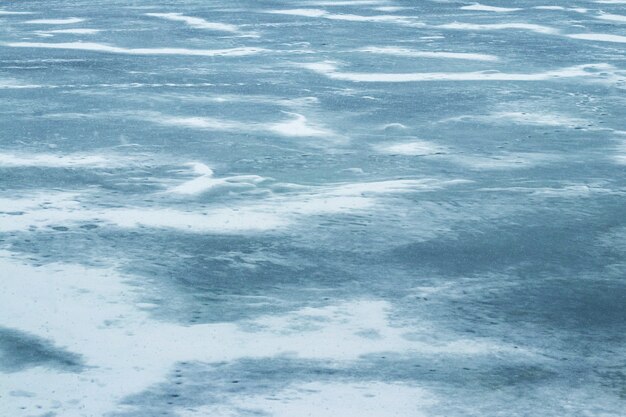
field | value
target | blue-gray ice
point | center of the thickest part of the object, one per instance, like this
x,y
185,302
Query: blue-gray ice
x,y
290,208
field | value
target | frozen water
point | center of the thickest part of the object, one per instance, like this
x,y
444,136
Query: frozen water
x,y
312,208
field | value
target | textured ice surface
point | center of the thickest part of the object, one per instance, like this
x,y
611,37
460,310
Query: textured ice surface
x,y
372,208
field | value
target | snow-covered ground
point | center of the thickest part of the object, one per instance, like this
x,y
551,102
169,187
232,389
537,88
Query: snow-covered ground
x,y
377,208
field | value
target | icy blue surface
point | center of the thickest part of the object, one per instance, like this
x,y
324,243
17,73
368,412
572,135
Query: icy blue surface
x,y
312,208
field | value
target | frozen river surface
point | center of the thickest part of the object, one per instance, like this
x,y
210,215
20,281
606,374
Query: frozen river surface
x,y
312,208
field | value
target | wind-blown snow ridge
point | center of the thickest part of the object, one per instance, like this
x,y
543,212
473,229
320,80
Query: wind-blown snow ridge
x,y
278,211
10,13
199,23
330,70
612,17
206,181
600,37
484,8
546,30
398,51
53,160
320,13
99,47
297,126
67,21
